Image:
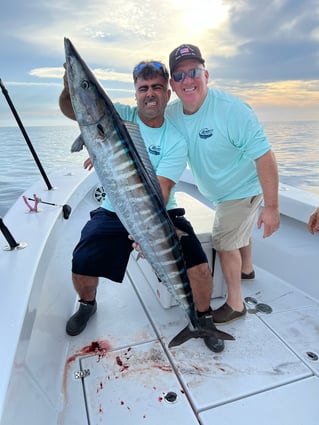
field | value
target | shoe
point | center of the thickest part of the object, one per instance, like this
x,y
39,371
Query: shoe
x,y
77,323
248,276
225,314
206,322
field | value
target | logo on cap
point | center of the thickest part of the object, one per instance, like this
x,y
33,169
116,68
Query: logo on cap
x,y
184,50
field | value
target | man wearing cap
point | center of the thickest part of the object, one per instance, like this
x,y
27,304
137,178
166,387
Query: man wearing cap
x,y
104,247
232,164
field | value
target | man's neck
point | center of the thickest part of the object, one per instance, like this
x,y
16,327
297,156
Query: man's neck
x,y
152,122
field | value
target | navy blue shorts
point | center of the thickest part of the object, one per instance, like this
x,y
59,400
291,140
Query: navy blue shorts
x,y
104,247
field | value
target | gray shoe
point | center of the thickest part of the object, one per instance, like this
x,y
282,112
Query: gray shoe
x,y
206,322
77,323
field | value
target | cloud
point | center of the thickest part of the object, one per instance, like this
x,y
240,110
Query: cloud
x,y
48,72
275,40
263,51
101,74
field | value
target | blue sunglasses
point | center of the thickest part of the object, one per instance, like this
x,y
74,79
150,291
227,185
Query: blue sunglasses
x,y
178,77
157,65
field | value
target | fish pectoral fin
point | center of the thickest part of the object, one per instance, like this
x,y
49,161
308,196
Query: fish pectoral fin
x,y
187,333
78,144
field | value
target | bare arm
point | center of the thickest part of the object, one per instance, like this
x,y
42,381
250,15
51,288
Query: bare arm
x,y
166,187
269,180
313,223
65,100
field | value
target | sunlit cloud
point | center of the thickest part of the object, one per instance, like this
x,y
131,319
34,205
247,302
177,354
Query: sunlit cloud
x,y
47,72
101,74
278,92
264,52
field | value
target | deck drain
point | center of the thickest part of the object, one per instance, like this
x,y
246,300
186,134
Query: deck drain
x,y
263,308
170,397
251,300
255,307
312,356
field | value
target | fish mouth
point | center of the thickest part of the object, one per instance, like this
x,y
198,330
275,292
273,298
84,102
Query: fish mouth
x,y
188,333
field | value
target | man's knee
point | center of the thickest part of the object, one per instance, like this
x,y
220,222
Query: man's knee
x,y
202,271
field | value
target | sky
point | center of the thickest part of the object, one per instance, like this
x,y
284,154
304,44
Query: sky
x,y
266,52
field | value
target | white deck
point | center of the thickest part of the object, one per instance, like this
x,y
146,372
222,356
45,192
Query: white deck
x,y
130,381
269,375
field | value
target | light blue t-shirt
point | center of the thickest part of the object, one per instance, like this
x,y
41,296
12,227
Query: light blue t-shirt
x,y
224,139
166,147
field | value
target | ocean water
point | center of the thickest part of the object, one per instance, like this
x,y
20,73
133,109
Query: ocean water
x,y
18,168
296,145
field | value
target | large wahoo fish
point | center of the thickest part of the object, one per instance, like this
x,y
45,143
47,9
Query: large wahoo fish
x,y
123,166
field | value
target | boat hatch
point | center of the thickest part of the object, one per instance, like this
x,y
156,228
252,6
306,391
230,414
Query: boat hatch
x,y
135,385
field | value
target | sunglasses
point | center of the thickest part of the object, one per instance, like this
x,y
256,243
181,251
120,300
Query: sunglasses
x,y
157,65
178,77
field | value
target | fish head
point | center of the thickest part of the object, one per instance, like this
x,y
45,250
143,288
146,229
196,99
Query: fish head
x,y
87,95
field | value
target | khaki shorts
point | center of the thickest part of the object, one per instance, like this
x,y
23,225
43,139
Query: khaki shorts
x,y
234,221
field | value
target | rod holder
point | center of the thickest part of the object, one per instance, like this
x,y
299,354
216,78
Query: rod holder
x,y
10,239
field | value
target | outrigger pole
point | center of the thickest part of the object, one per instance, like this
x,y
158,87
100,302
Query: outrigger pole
x,y
35,156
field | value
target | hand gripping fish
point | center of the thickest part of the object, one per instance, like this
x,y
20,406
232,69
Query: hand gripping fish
x,y
122,164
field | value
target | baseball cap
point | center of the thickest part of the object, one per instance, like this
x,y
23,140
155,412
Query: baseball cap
x,y
183,52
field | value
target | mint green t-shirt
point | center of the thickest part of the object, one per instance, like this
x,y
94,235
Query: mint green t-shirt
x,y
224,139
166,147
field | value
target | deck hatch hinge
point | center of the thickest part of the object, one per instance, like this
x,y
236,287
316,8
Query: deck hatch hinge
x,y
82,373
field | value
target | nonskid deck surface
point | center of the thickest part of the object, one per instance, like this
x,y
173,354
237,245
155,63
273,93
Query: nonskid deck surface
x,y
268,374
133,376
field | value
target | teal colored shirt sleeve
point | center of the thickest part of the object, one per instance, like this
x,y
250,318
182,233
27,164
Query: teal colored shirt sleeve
x,y
246,132
126,112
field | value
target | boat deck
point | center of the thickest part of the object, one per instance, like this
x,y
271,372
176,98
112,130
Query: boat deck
x,y
120,369
134,378
129,381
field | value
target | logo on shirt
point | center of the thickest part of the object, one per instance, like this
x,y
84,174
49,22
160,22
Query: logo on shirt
x,y
205,133
154,150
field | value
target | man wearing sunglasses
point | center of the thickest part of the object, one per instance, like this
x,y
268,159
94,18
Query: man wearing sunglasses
x,y
233,166
105,239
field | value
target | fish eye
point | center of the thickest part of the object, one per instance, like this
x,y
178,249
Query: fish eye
x,y
85,84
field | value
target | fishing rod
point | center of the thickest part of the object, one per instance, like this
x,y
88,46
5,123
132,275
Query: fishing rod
x,y
27,139
10,239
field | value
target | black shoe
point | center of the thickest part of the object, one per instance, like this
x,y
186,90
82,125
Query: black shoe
x,y
206,322
77,323
248,276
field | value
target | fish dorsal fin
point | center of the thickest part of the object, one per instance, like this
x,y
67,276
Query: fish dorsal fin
x,y
137,139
